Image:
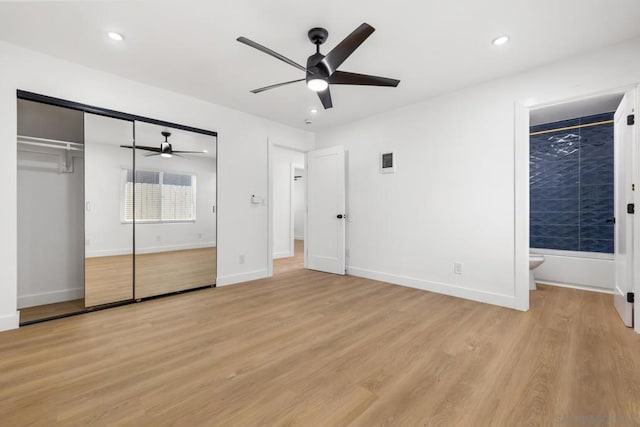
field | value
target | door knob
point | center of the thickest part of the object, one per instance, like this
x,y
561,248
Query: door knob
x,y
339,216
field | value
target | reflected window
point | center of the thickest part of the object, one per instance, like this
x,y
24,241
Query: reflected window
x,y
159,196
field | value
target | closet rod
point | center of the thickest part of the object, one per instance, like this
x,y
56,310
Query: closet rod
x,y
51,143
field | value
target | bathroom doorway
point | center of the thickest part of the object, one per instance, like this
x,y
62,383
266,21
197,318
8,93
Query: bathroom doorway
x,y
579,193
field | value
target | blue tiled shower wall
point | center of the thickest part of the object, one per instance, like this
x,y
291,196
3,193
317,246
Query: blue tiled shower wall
x,y
571,186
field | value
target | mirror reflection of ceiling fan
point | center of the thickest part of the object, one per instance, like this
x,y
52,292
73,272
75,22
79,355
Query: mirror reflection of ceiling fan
x,y
165,149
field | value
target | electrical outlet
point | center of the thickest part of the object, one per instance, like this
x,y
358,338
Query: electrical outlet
x,y
457,267
241,259
199,235
158,238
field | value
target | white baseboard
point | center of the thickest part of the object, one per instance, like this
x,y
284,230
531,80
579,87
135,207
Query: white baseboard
x,y
241,277
579,287
50,297
508,301
10,321
278,255
149,249
624,308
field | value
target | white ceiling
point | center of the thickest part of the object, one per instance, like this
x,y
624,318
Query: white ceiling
x,y
431,46
575,109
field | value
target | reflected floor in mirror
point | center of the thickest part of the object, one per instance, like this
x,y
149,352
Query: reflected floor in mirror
x,y
38,312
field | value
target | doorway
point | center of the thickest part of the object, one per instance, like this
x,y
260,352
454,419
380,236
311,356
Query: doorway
x,y
572,208
288,182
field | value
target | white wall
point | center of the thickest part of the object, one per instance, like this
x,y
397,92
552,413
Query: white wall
x,y
242,227
51,229
283,219
298,204
452,198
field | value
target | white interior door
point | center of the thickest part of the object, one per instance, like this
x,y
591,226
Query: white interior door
x,y
326,216
623,152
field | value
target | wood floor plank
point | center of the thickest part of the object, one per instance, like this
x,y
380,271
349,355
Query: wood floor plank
x,y
307,348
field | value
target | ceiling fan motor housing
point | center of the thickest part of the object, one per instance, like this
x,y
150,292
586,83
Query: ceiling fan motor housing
x,y
316,67
165,148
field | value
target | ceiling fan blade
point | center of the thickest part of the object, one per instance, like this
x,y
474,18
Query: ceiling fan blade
x,y
188,152
346,47
270,52
345,78
142,147
172,154
262,89
325,97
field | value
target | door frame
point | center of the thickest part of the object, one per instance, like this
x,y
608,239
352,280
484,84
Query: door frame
x,y
271,145
295,166
522,108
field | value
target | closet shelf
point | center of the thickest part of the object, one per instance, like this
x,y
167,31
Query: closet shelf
x,y
50,143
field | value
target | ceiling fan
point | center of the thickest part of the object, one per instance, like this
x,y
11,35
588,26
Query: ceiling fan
x,y
322,70
165,149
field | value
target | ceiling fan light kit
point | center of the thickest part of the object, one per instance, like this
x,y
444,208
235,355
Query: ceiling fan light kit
x,y
322,70
317,84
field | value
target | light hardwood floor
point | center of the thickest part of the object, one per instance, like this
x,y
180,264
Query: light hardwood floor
x,y
307,348
296,262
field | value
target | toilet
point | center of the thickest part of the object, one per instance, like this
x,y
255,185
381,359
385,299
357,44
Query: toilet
x,y
535,261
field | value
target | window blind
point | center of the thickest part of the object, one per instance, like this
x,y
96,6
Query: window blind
x,y
159,196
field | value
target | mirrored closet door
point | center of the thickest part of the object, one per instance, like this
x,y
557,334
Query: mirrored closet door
x,y
111,208
108,229
175,212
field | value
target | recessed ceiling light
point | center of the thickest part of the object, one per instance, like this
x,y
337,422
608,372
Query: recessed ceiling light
x,y
115,36
313,111
499,41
